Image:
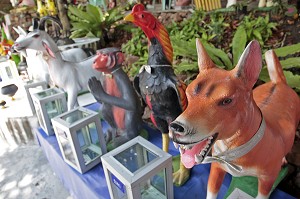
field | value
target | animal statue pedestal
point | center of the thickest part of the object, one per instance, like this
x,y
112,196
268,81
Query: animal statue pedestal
x,y
120,104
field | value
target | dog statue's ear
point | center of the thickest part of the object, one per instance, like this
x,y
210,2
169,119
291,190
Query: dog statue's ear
x,y
274,67
204,61
249,65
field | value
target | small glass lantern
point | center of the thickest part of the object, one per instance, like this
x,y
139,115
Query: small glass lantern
x,y
33,87
48,104
80,138
138,169
8,70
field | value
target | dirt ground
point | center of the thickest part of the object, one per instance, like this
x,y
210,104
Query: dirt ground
x,y
26,174
24,169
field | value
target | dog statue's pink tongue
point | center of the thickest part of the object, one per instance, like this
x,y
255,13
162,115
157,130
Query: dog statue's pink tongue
x,y
188,157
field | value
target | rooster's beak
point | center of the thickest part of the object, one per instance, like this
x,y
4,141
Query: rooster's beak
x,y
129,18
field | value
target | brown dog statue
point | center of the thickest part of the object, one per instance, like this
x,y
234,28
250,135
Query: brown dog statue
x,y
249,132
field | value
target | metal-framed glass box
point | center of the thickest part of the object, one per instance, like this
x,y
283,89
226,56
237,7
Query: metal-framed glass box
x,y
35,86
8,70
80,138
48,104
138,170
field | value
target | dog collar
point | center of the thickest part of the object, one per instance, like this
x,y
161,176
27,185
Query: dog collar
x,y
228,156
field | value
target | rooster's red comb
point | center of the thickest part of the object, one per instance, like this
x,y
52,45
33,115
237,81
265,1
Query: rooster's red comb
x,y
138,8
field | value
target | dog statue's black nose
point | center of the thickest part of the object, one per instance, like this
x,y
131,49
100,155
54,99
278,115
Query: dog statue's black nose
x,y
174,126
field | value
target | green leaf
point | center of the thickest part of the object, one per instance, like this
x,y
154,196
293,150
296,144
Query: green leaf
x,y
80,25
91,35
78,34
218,56
258,36
80,14
186,66
292,80
238,44
287,50
264,75
290,62
93,11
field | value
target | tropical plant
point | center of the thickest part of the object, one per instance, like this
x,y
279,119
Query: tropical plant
x,y
190,28
258,28
91,21
216,26
187,50
136,46
185,55
290,63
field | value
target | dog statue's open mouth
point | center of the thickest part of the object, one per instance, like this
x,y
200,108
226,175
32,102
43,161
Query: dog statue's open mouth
x,y
192,154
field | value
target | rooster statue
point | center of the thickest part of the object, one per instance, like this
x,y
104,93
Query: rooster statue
x,y
157,83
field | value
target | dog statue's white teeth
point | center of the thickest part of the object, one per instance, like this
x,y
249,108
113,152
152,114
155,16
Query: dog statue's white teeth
x,y
175,145
211,137
208,141
198,158
202,153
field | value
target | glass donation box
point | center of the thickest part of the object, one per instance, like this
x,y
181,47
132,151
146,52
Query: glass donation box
x,y
138,170
80,138
48,104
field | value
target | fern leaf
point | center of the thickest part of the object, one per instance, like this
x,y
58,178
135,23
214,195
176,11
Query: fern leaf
x,y
238,43
290,62
80,14
218,56
287,50
292,80
93,11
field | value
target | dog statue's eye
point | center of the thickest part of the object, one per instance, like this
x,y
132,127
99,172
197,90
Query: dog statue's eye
x,y
225,102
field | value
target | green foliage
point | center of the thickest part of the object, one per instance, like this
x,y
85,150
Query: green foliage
x,y
210,30
137,45
216,26
289,62
187,50
190,28
218,56
287,50
91,21
239,42
258,28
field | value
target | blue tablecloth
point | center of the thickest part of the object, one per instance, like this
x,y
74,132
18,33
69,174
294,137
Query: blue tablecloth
x,y
92,184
